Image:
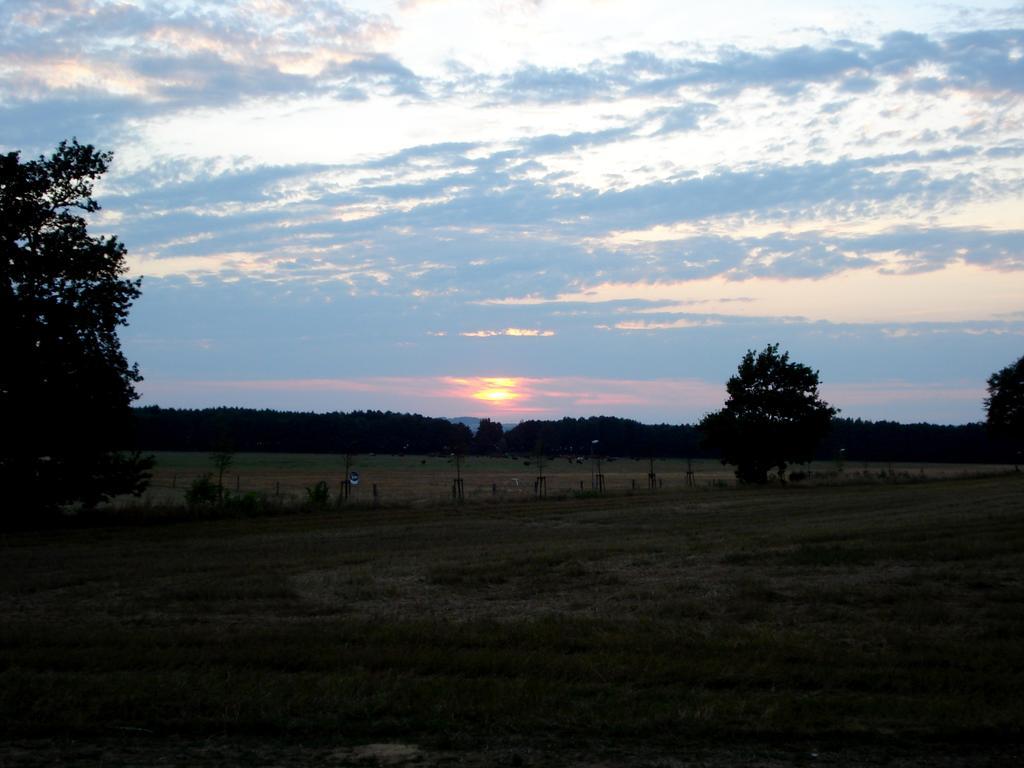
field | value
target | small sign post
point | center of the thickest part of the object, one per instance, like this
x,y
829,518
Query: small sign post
x,y
351,478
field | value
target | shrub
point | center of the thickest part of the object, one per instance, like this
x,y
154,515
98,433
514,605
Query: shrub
x,y
248,503
202,491
319,494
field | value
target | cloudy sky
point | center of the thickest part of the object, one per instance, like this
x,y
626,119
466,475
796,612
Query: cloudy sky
x,y
538,208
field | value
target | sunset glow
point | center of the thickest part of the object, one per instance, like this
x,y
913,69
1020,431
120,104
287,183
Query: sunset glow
x,y
337,205
652,401
497,392
496,396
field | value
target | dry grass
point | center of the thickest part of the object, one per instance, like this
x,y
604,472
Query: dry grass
x,y
727,625
408,479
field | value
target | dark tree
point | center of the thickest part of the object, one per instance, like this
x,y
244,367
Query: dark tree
x,y
222,460
773,416
1004,406
489,437
66,388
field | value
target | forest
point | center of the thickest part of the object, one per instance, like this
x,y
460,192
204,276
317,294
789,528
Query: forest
x,y
241,429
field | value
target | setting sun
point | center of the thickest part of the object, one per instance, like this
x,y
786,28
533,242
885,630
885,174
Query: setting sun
x,y
495,395
498,391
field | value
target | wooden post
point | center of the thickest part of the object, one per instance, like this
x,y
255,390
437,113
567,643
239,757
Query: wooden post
x,y
375,496
346,485
238,483
690,481
457,486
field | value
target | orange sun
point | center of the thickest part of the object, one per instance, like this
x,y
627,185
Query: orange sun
x,y
498,391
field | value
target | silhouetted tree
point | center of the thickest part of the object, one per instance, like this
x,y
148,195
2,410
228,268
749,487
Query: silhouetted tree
x,y
222,459
66,388
773,416
488,438
1004,406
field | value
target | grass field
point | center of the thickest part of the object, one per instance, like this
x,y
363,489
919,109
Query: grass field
x,y
859,624
406,479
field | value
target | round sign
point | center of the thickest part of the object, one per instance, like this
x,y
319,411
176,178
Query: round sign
x,y
353,478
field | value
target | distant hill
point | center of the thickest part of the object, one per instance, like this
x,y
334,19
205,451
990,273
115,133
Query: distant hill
x,y
473,422
468,421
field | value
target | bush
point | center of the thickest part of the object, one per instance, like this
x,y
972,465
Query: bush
x,y
319,494
247,504
202,491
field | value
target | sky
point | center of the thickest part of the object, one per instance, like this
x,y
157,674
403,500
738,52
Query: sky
x,y
543,208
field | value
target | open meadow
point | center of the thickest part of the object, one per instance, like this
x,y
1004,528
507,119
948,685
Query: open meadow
x,y
428,479
871,623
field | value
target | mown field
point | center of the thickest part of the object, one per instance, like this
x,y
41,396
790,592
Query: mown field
x,y
407,479
860,624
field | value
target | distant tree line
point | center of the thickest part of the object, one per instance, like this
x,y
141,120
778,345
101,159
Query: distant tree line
x,y
614,436
241,429
891,441
850,439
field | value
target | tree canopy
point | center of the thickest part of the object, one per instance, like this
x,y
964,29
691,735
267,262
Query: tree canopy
x,y
171,429
66,387
773,416
1004,406
489,437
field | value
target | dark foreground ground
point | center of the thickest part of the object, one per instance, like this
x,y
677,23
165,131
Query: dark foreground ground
x,y
855,625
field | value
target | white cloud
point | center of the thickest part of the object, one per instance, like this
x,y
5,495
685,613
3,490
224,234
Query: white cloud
x,y
662,166
956,293
664,325
518,332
